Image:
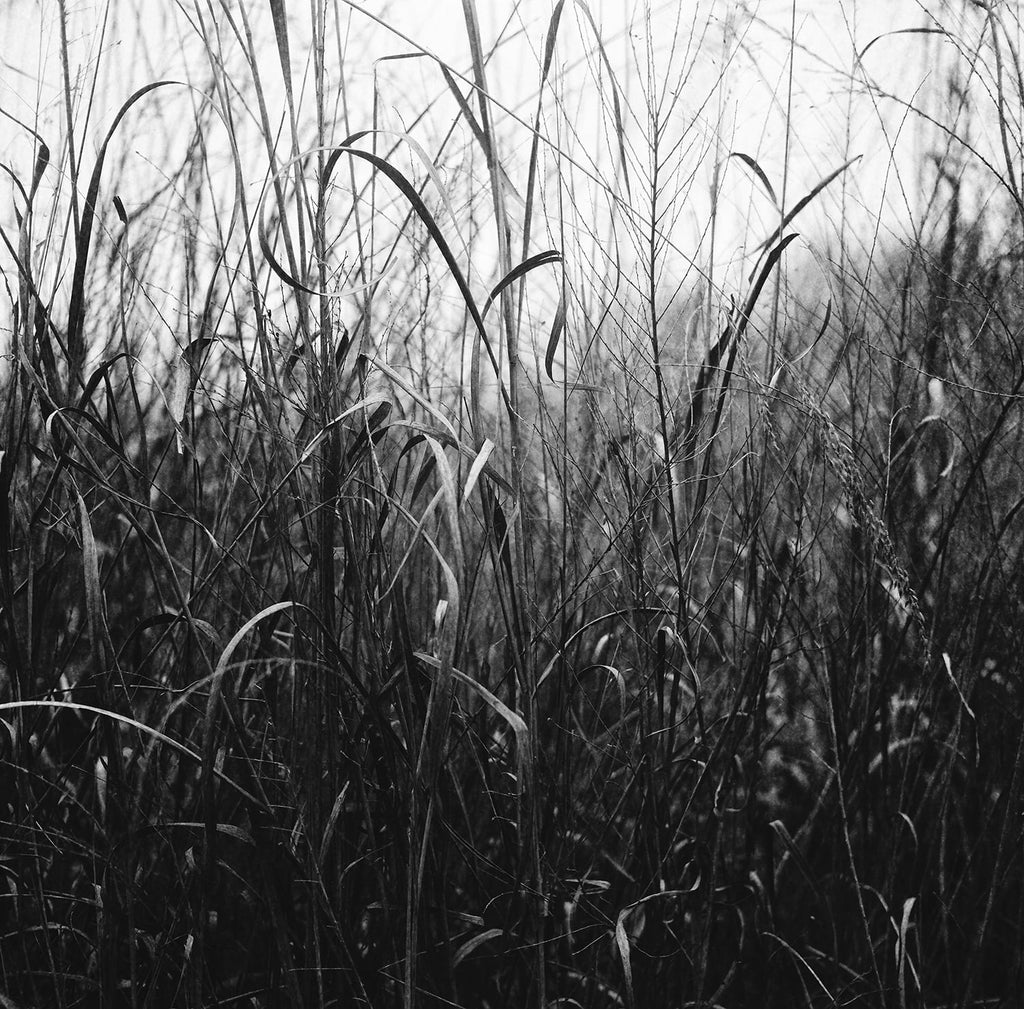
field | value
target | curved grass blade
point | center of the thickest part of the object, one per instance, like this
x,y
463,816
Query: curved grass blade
x,y
902,31
213,701
803,353
803,203
93,587
261,227
541,259
531,172
423,158
142,727
515,721
479,464
467,111
42,157
76,311
280,17
620,132
759,172
622,940
740,329
557,325
409,192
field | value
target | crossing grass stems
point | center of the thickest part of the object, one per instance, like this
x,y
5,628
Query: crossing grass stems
x,y
413,596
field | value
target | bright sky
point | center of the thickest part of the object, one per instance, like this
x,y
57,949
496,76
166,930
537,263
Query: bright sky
x,y
731,64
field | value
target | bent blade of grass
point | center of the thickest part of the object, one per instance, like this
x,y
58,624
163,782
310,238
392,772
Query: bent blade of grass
x,y
467,111
541,259
76,311
434,230
415,393
421,433
187,368
803,961
288,277
477,468
42,157
752,164
532,169
335,153
906,31
474,943
617,677
142,727
428,165
823,184
803,353
416,202
213,699
622,939
515,721
232,645
375,400
620,131
168,619
93,589
557,326
948,666
451,499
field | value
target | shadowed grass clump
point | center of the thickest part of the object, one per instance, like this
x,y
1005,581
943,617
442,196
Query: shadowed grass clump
x,y
433,573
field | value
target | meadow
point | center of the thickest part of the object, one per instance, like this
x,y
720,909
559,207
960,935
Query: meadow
x,y
509,534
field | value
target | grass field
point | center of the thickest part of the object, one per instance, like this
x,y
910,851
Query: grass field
x,y
511,541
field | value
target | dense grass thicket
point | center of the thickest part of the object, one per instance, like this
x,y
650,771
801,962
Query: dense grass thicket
x,y
491,541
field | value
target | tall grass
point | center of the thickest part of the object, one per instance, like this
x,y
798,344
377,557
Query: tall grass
x,y
434,573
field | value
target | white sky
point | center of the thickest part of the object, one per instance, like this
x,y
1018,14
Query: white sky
x,y
740,104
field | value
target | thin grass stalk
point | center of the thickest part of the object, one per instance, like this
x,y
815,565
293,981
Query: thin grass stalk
x,y
525,670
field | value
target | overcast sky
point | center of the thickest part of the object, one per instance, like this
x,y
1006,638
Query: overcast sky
x,y
777,81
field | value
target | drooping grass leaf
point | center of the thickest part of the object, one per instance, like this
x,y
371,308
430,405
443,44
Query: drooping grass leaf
x,y
557,326
83,240
620,130
622,939
902,31
759,172
42,157
279,13
93,587
467,111
410,193
143,728
478,467
541,259
801,204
